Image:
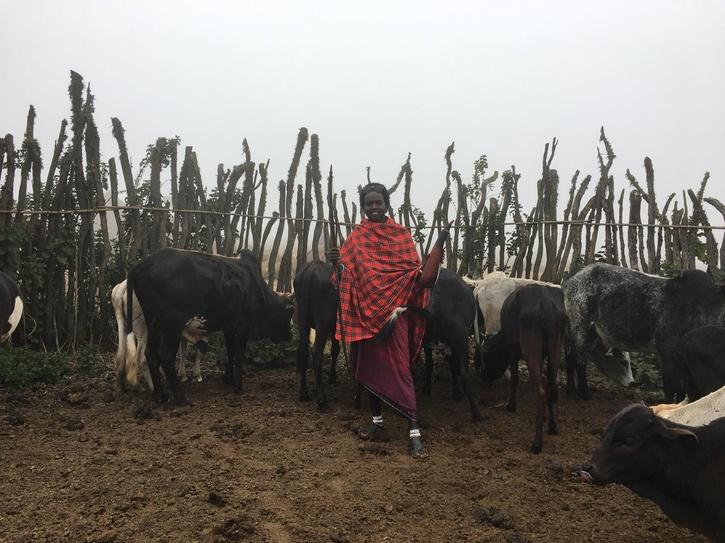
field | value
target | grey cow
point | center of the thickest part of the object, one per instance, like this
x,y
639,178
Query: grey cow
x,y
613,309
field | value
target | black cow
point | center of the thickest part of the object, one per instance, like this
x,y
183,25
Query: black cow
x,y
11,307
627,310
703,361
316,299
189,294
533,326
450,316
680,468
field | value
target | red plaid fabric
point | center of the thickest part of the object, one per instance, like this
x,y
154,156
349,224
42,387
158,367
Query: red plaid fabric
x,y
381,267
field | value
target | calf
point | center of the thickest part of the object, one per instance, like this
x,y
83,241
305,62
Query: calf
x,y
533,326
11,307
616,308
131,353
450,316
317,300
680,468
189,294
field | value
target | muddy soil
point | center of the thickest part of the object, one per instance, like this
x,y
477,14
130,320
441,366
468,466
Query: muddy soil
x,y
82,463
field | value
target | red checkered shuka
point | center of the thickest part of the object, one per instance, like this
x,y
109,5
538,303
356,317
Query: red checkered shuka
x,y
381,267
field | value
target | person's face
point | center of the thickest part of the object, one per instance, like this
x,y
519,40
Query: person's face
x,y
374,207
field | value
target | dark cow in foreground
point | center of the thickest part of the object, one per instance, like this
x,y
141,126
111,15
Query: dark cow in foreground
x,y
680,468
610,307
450,316
316,299
703,361
189,294
533,326
11,307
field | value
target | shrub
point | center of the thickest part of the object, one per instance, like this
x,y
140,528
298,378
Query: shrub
x,y
21,366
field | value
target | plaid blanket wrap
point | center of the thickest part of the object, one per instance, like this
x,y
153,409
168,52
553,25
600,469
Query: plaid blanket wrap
x,y
381,267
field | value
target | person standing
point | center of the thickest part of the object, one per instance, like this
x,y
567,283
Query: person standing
x,y
381,271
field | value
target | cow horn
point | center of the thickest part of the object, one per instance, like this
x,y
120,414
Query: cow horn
x,y
610,352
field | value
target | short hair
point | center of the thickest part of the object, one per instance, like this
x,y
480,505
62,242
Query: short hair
x,y
374,187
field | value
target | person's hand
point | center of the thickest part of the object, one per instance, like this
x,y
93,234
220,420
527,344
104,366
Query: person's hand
x,y
445,233
333,254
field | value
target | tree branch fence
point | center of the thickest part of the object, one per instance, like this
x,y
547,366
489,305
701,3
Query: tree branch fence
x,y
69,236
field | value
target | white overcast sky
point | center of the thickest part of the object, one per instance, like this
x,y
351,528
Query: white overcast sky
x,y
376,80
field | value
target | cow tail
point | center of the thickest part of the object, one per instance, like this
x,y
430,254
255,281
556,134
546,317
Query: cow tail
x,y
131,354
389,326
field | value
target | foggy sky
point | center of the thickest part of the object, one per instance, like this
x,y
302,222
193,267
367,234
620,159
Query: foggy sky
x,y
377,80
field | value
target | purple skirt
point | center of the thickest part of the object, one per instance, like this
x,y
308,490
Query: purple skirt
x,y
384,368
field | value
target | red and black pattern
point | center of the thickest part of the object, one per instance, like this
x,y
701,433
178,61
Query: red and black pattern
x,y
381,268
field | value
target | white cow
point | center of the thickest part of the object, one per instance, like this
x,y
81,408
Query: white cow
x,y
491,292
698,413
131,354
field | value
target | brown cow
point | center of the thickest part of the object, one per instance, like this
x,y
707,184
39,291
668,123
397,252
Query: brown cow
x,y
533,325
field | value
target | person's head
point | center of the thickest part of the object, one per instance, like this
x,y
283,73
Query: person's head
x,y
374,201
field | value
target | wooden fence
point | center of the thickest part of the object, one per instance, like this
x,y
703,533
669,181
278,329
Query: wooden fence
x,y
68,234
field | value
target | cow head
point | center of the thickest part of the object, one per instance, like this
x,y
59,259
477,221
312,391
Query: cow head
x,y
495,357
613,363
635,445
275,323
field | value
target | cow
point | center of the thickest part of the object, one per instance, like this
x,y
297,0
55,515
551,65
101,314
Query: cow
x,y
610,307
317,300
450,316
698,413
533,326
131,352
680,468
11,307
189,294
492,290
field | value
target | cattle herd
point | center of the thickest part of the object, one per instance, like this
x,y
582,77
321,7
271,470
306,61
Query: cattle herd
x,y
672,454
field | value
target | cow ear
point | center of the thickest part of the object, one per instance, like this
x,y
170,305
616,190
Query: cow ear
x,y
676,433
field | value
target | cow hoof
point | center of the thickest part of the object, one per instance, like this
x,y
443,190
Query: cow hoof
x,y
304,396
477,417
536,449
553,431
511,407
586,395
198,379
332,379
322,406
182,378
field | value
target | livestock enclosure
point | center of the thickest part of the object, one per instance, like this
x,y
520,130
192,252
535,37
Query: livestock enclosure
x,y
84,461
70,232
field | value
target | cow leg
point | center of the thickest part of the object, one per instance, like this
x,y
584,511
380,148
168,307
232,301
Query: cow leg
x,y
454,365
428,369
168,348
197,366
334,354
317,348
303,354
570,363
459,367
236,343
552,374
514,370
532,344
152,361
181,362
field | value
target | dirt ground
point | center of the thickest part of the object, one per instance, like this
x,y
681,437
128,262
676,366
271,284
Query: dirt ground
x,y
82,463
